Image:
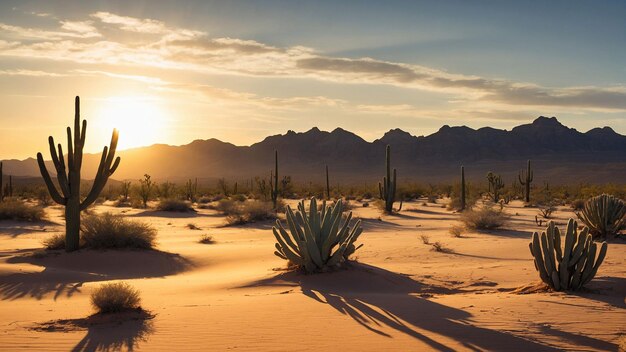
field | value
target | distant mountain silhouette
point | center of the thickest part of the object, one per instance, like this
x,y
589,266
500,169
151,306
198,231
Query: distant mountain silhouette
x,y
559,154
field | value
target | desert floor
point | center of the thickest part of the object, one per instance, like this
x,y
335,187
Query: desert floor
x,y
235,294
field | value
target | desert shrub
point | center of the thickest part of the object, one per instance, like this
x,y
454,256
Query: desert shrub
x,y
13,209
440,247
239,197
174,205
425,239
250,211
456,231
192,226
546,211
571,267
115,297
204,200
578,204
206,239
605,215
121,203
485,218
114,231
318,240
54,242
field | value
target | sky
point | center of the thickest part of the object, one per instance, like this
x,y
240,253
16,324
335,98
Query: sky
x,y
172,72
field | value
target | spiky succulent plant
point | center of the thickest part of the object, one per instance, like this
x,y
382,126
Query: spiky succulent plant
x,y
317,240
605,215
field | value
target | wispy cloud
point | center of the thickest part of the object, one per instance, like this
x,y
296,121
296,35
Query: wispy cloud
x,y
31,73
171,47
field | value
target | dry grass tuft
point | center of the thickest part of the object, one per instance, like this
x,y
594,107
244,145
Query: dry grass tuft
x,y
115,297
13,209
114,231
206,239
485,218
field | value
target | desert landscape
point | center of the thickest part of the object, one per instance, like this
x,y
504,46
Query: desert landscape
x,y
306,176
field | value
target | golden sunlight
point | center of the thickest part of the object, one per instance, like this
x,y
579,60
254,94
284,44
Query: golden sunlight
x,y
140,120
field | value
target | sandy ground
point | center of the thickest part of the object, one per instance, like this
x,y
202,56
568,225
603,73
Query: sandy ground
x,y
234,295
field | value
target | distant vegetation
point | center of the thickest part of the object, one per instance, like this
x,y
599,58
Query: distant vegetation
x,y
13,209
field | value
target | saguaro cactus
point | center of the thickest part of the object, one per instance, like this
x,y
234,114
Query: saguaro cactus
x,y
387,188
526,179
462,187
274,183
69,180
327,184
572,267
1,184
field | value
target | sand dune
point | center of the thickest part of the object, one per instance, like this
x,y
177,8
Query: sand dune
x,y
235,294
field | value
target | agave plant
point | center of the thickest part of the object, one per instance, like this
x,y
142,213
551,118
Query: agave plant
x,y
604,215
572,267
317,239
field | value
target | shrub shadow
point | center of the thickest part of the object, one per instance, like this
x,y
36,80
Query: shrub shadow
x,y
106,332
64,273
377,298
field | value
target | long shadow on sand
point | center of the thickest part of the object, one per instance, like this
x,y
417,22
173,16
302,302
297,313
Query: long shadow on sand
x,y
65,273
607,289
168,214
17,228
106,332
376,298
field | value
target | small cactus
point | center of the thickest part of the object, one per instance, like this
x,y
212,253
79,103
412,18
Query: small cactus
x,y
525,179
387,188
274,182
572,267
495,185
462,188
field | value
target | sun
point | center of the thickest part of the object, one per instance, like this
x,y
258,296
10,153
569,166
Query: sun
x,y
139,120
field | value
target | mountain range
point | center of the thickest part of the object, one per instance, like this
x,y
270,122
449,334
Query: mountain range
x,y
559,154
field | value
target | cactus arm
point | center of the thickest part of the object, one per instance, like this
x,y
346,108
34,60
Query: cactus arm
x,y
599,260
59,166
54,193
105,170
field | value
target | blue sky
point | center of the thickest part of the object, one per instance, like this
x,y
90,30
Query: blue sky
x,y
172,72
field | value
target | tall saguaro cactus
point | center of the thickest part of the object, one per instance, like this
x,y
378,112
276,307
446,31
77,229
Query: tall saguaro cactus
x,y
387,188
526,179
274,183
462,188
69,180
1,184
327,184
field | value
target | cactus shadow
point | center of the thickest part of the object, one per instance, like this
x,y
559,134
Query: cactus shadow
x,y
381,300
608,289
16,228
64,274
168,214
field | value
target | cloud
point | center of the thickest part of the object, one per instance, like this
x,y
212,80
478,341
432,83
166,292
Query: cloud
x,y
131,24
85,28
30,73
165,46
